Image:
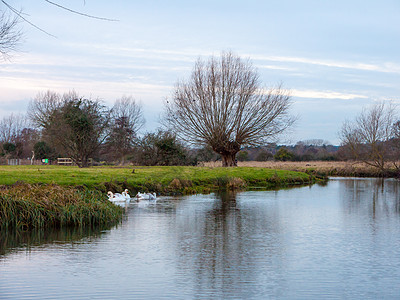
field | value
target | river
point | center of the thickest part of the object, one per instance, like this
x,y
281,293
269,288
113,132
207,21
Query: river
x,y
335,241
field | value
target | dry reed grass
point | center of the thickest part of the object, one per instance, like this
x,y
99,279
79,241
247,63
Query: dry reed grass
x,y
322,168
25,206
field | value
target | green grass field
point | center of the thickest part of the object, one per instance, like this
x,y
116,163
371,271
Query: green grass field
x,y
159,179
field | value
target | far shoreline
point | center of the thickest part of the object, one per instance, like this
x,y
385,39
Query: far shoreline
x,y
322,168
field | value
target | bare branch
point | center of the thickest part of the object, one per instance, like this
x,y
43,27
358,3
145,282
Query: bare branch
x,y
11,128
19,15
371,136
126,120
10,35
79,13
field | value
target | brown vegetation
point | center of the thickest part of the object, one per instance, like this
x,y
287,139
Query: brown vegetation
x,y
319,168
25,206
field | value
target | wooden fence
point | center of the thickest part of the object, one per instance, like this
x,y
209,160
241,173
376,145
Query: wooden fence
x,y
64,161
23,162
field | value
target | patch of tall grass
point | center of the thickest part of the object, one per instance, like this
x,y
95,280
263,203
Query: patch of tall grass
x,y
26,206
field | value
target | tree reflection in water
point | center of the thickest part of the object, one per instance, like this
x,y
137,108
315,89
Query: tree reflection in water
x,y
234,242
383,201
12,240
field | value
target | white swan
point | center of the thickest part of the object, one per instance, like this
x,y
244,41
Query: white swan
x,y
126,195
117,198
146,196
142,196
152,196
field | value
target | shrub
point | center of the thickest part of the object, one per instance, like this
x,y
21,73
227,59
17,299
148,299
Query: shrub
x,y
229,183
283,155
242,156
264,156
43,150
161,149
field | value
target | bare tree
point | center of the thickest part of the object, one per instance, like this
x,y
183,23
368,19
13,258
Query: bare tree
x,y
42,108
126,120
223,105
71,124
11,128
27,139
370,136
10,35
314,142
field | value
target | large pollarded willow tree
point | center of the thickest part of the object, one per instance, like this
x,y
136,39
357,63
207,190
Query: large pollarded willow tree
x,y
224,106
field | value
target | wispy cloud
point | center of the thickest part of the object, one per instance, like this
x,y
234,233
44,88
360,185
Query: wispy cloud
x,y
27,88
30,62
386,67
325,94
276,67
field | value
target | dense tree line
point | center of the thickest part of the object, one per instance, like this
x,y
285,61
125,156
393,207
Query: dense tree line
x,y
374,137
70,125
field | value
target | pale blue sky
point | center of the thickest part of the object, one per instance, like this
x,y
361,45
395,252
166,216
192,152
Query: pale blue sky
x,y
335,56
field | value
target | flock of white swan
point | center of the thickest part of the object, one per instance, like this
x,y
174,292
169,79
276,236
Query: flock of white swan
x,y
123,199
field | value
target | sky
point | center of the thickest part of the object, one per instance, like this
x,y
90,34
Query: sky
x,y
335,56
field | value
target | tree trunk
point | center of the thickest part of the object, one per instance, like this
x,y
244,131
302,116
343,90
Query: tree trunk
x,y
229,160
84,162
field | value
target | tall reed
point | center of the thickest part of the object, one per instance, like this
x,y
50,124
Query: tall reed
x,y
28,206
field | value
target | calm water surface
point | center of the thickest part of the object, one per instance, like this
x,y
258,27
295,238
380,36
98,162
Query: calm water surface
x,y
339,241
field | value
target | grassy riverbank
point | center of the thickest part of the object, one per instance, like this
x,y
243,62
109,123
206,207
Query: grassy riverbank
x,y
57,196
26,206
163,180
